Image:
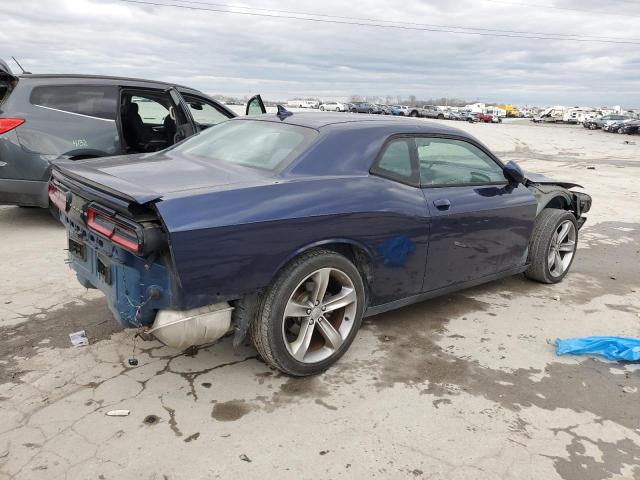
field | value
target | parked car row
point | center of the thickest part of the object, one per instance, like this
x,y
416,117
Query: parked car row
x,y
426,111
614,123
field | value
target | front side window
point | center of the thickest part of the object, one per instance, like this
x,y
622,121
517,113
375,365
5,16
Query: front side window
x,y
454,162
264,145
91,100
203,113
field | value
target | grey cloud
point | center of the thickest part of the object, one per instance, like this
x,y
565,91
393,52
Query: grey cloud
x,y
242,55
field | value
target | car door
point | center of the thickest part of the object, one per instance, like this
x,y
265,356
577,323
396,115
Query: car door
x,y
480,223
185,125
255,106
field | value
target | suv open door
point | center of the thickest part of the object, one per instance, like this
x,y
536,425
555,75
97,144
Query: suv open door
x,y
6,73
185,125
255,106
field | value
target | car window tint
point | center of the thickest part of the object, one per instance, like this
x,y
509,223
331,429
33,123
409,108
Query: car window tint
x,y
151,111
396,160
265,145
203,113
91,100
455,162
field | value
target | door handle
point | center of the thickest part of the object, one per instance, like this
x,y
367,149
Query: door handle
x,y
442,204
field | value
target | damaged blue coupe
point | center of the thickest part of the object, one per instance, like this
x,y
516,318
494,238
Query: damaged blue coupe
x,y
291,228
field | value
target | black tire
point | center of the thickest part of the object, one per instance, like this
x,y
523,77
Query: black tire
x,y
266,330
545,226
413,113
440,117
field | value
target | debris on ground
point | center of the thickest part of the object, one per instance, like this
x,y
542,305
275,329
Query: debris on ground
x,y
118,413
244,458
591,167
612,348
79,339
629,389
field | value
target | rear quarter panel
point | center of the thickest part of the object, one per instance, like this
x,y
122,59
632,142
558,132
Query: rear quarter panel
x,y
230,243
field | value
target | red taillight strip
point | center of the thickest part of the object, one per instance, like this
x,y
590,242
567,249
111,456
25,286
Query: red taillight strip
x,y
111,233
57,197
7,124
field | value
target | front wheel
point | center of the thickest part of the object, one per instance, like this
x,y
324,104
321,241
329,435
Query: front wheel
x,y
553,246
310,314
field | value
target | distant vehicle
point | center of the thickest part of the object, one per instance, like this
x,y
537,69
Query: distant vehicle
x,y
578,114
303,103
453,115
45,118
400,110
489,118
431,111
332,107
599,122
384,109
630,127
614,126
550,115
471,117
364,107
317,221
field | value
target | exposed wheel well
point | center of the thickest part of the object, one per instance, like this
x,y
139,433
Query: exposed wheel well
x,y
559,203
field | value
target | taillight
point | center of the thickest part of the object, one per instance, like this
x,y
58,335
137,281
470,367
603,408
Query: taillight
x,y
126,234
7,124
57,197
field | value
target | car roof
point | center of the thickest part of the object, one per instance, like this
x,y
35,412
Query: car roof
x,y
321,120
69,78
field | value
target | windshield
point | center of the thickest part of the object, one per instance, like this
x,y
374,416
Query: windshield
x,y
252,143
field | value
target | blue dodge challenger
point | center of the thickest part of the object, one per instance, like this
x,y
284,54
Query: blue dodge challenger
x,y
292,227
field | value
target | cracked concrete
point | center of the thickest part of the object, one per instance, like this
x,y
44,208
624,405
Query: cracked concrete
x,y
464,386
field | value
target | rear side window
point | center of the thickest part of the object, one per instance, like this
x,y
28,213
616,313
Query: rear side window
x,y
395,162
91,100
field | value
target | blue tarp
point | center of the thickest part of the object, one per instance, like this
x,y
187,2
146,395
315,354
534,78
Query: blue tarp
x,y
612,348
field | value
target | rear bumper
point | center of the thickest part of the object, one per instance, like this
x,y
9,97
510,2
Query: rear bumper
x,y
135,288
23,192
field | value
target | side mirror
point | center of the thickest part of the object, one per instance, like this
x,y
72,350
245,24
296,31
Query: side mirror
x,y
514,173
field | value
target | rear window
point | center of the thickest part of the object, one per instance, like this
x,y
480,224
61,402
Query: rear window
x,y
258,144
91,100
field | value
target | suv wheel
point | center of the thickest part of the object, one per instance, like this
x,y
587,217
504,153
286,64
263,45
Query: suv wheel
x,y
553,246
310,314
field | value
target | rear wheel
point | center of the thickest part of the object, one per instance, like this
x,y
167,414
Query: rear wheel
x,y
553,246
413,113
310,314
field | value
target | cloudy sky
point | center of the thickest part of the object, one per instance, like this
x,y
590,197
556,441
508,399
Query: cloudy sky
x,y
238,54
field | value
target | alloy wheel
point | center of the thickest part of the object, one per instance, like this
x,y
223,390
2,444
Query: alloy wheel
x,y
319,315
562,248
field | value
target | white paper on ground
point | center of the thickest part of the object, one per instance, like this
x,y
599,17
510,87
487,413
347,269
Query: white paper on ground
x,y
79,339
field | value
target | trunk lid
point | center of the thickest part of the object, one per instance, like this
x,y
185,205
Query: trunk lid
x,y
148,177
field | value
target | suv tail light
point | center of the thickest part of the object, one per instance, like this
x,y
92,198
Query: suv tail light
x,y
58,197
7,124
122,232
